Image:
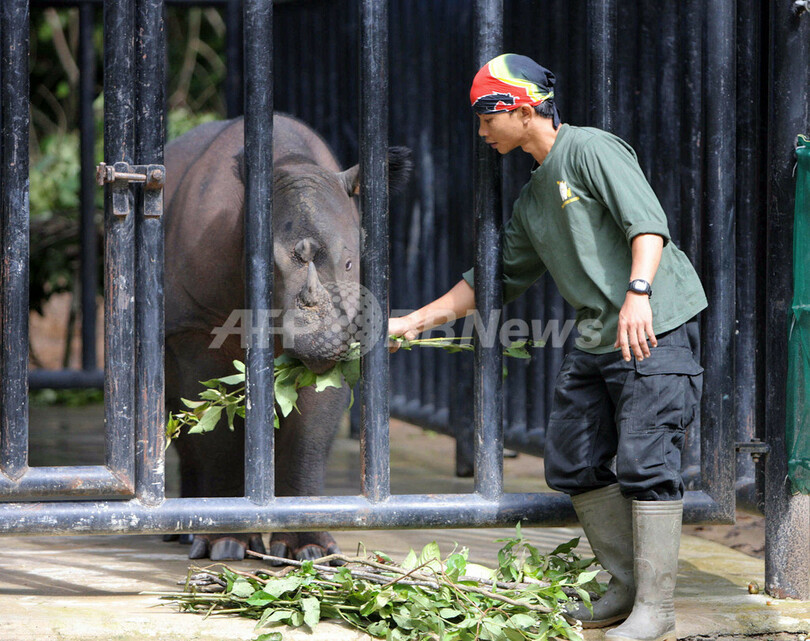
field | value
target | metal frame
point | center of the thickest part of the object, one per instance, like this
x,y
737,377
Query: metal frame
x,y
127,492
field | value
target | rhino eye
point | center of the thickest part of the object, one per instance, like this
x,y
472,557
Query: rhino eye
x,y
348,265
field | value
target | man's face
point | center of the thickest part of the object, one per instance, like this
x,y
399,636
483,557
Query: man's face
x,y
503,131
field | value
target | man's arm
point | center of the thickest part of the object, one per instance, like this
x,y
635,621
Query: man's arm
x,y
457,303
635,316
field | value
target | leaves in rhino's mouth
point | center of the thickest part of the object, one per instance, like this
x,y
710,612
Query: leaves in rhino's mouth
x,y
226,395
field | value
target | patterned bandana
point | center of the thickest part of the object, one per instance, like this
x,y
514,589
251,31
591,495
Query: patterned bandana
x,y
509,81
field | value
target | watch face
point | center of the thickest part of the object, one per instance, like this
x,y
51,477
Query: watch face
x,y
639,286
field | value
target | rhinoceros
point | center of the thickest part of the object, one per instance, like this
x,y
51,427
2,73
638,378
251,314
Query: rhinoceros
x,y
317,238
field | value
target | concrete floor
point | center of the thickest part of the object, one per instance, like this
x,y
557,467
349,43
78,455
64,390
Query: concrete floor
x,y
91,588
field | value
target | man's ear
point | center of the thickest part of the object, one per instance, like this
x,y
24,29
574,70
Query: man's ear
x,y
350,179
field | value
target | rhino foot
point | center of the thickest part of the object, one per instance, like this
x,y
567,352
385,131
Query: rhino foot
x,y
225,547
303,546
183,539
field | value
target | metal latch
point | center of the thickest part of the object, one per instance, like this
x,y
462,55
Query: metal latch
x,y
121,174
755,447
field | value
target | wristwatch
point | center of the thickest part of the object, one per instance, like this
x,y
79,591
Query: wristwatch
x,y
640,286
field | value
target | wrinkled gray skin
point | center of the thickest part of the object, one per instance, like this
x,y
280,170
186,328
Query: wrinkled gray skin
x,y
316,242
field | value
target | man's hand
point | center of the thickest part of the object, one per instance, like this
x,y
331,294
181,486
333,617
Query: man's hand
x,y
400,326
635,326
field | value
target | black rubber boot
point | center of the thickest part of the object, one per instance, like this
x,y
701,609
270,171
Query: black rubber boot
x,y
607,518
657,537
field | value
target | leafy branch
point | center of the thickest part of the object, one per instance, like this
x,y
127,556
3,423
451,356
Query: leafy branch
x,y
424,597
518,349
226,395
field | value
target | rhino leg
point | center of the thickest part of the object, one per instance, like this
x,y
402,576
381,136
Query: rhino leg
x,y
212,464
303,443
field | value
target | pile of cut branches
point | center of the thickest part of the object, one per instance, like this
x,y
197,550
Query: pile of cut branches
x,y
424,597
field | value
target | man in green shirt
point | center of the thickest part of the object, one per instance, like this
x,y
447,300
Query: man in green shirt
x,y
632,386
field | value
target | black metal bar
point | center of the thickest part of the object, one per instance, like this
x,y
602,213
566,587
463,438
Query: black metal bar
x,y
15,243
374,442
150,49
692,145
179,3
119,237
717,433
87,231
305,513
74,482
750,189
259,464
787,517
667,117
488,385
65,379
602,45
234,46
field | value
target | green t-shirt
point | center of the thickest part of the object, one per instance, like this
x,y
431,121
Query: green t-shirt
x,y
576,218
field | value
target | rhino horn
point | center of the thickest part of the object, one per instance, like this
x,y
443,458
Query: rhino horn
x,y
312,291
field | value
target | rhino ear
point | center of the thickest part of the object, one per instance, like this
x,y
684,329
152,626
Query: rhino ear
x,y
350,179
399,172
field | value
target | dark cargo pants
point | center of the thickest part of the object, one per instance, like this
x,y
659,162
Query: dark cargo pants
x,y
637,412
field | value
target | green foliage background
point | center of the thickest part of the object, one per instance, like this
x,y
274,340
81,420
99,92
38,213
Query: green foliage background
x,y
196,68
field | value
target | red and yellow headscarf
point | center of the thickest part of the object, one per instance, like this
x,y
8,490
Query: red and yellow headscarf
x,y
509,81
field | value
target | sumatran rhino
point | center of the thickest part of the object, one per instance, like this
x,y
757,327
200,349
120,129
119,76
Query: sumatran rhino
x,y
316,229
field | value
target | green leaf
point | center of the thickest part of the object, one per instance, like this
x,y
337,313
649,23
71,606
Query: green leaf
x,y
275,616
411,561
211,395
192,404
306,378
240,366
565,548
330,378
261,598
584,577
286,397
270,636
231,412
351,372
234,379
312,611
277,587
242,588
517,350
378,629
521,620
430,553
456,564
208,421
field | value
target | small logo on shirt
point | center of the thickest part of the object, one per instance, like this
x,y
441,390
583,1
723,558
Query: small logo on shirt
x,y
566,194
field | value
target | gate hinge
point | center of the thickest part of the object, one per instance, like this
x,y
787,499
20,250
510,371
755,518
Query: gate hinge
x,y
121,174
755,447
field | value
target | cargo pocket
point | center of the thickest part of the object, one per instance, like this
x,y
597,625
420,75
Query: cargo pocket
x,y
666,390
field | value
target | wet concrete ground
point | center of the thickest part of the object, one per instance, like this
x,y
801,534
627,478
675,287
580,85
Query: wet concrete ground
x,y
90,588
